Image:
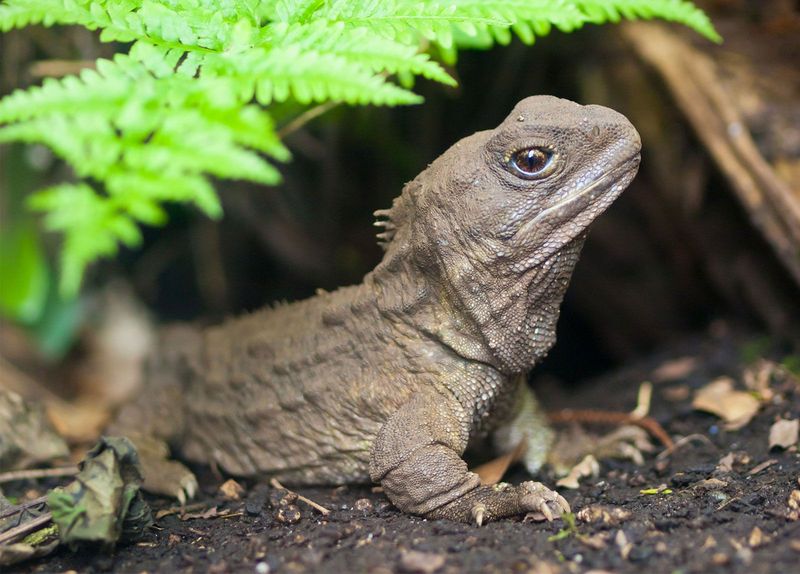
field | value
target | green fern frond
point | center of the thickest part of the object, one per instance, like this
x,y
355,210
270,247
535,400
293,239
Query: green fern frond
x,y
190,99
680,11
93,227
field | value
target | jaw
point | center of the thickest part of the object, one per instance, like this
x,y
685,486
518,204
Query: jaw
x,y
559,224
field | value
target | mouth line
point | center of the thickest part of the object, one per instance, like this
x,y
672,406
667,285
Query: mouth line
x,y
599,182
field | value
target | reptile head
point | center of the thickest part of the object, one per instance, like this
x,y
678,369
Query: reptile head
x,y
499,218
513,196
554,167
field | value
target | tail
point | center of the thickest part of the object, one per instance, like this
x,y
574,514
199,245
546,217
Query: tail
x,y
158,410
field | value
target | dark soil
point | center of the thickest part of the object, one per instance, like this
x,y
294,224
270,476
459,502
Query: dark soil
x,y
713,520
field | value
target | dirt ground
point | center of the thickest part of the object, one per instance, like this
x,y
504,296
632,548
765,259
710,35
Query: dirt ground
x,y
729,516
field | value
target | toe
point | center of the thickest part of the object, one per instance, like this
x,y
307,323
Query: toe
x,y
478,512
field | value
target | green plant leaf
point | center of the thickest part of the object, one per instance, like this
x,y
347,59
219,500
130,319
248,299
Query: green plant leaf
x,y
23,289
190,100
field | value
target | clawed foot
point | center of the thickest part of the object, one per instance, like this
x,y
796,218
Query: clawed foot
x,y
536,499
162,475
171,479
541,502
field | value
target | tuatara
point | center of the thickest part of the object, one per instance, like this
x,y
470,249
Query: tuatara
x,y
389,381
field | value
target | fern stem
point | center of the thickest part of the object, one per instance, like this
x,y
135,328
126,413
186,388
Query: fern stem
x,y
305,117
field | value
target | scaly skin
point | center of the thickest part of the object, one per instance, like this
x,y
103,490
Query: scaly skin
x,y
389,380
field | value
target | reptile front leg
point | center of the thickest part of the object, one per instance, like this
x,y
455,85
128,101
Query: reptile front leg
x,y
417,459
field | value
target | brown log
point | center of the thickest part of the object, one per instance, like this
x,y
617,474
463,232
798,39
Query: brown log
x,y
695,80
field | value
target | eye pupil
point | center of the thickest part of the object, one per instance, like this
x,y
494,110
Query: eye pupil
x,y
531,161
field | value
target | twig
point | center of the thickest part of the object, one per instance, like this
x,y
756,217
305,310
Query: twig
x,y
643,401
304,118
25,528
324,511
37,473
695,82
590,416
59,68
685,440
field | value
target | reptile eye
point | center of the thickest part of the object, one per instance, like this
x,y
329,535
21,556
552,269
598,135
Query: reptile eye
x,y
530,162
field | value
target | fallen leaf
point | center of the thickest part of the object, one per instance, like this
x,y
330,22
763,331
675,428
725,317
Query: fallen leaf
x,y
26,436
574,444
794,506
231,490
757,537
661,489
103,503
727,462
597,541
585,468
784,433
760,376
674,369
493,471
720,398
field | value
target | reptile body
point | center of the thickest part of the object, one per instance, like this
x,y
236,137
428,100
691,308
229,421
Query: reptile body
x,y
390,380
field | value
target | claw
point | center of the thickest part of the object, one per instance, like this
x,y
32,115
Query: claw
x,y
190,486
544,509
562,502
477,513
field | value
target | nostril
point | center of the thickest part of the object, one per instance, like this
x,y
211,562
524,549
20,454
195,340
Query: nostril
x,y
593,133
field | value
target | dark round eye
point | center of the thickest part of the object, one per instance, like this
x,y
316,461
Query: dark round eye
x,y
530,162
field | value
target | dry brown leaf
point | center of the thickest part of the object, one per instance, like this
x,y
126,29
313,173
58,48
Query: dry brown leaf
x,y
79,422
784,433
793,503
757,537
585,468
720,398
493,471
231,490
732,459
597,541
674,369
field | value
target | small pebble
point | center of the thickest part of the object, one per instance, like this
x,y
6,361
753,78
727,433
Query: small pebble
x,y
425,562
363,504
288,514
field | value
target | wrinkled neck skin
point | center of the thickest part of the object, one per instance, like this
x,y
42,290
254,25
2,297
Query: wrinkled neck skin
x,y
492,313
